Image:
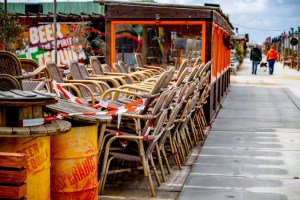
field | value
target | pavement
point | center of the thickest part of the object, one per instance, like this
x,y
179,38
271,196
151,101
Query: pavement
x,y
253,149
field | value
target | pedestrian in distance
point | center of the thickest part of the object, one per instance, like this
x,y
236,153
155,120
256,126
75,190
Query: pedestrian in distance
x,y
272,57
255,56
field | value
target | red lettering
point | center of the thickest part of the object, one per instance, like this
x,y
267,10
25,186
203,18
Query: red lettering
x,y
76,175
86,167
31,150
59,182
38,159
29,169
92,163
36,148
71,180
33,164
81,172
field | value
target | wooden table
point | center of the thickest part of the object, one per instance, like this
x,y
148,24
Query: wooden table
x,y
16,105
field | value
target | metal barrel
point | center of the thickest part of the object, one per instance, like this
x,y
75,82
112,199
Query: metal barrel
x,y
37,150
74,172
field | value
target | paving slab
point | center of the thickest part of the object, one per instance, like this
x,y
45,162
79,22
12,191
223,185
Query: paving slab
x,y
284,141
255,124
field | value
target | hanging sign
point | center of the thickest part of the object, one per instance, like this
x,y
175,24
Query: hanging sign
x,y
294,41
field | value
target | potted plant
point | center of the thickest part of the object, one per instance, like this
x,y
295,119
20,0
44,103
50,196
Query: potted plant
x,y
10,32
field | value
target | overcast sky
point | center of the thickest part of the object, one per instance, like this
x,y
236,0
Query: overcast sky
x,y
259,18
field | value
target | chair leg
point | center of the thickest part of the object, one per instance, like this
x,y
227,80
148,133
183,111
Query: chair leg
x,y
203,118
154,171
193,129
150,180
199,127
166,160
180,147
160,163
184,141
103,176
189,139
174,151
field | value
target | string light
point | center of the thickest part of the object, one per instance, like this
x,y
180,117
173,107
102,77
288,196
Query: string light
x,y
260,29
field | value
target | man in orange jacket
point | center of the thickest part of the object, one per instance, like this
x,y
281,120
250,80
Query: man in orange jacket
x,y
272,56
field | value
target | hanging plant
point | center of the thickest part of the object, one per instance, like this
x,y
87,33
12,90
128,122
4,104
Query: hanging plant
x,y
227,40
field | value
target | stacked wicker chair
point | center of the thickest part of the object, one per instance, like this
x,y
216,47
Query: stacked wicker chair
x,y
88,91
12,66
184,92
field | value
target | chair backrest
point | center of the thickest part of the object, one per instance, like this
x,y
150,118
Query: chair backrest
x,y
78,73
10,64
106,68
96,65
192,74
75,70
181,77
117,68
169,78
189,106
206,67
139,60
198,61
183,65
159,82
54,72
28,65
157,130
181,93
169,99
199,71
169,125
159,102
8,82
190,90
123,67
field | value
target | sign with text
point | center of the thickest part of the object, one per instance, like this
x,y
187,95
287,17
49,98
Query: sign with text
x,y
39,44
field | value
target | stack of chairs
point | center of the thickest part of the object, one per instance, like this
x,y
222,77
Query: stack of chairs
x,y
169,124
21,74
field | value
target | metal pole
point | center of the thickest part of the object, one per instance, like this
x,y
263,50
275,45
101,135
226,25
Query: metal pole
x,y
55,31
298,53
5,6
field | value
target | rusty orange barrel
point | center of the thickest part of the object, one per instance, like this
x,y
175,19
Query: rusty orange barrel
x,y
74,173
37,150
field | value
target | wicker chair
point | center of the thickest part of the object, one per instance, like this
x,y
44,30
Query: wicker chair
x,y
81,88
29,65
141,66
11,65
8,82
98,74
129,156
142,74
127,78
128,93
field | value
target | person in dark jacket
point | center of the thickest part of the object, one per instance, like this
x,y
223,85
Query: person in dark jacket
x,y
255,56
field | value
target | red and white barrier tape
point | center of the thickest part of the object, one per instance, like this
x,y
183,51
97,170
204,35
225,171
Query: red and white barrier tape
x,y
40,121
59,90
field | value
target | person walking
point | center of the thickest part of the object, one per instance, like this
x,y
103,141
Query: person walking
x,y
272,57
255,56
